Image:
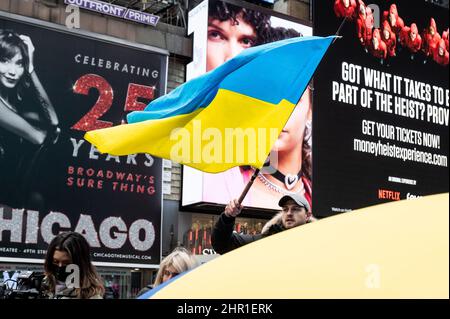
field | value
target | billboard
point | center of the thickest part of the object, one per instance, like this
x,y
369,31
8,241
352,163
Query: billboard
x,y
381,104
56,84
222,30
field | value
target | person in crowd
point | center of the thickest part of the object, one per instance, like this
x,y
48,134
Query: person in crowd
x,y
440,54
27,117
364,25
411,39
345,9
378,48
445,38
61,281
389,39
178,261
395,21
431,38
295,211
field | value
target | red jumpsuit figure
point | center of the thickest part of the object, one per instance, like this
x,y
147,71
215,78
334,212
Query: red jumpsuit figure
x,y
395,22
345,8
411,39
389,38
378,47
364,25
445,38
431,39
440,53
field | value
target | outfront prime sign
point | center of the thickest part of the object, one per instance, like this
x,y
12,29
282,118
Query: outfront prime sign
x,y
115,11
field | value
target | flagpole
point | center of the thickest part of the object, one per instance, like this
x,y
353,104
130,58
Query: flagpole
x,y
339,30
247,187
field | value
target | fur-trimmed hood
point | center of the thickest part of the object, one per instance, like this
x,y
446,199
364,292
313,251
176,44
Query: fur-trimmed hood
x,y
274,222
275,225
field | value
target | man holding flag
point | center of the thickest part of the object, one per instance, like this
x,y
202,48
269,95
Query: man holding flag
x,y
295,211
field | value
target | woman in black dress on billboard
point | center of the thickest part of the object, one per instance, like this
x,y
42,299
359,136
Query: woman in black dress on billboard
x,y
27,118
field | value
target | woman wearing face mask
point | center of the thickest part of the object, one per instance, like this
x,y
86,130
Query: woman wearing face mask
x,y
27,117
72,249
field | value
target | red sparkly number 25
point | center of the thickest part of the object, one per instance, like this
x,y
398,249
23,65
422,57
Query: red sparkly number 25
x,y
106,95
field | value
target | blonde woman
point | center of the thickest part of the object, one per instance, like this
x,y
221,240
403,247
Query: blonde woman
x,y
179,261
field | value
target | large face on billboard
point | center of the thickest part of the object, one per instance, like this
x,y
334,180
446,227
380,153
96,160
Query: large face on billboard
x,y
381,104
232,29
54,86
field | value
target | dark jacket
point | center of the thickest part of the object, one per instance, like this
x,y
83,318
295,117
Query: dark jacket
x,y
224,239
144,290
65,293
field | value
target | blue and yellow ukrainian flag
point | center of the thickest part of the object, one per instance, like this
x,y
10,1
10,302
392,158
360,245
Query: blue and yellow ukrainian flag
x,y
228,117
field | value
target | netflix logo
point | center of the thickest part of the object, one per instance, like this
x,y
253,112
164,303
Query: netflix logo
x,y
388,194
